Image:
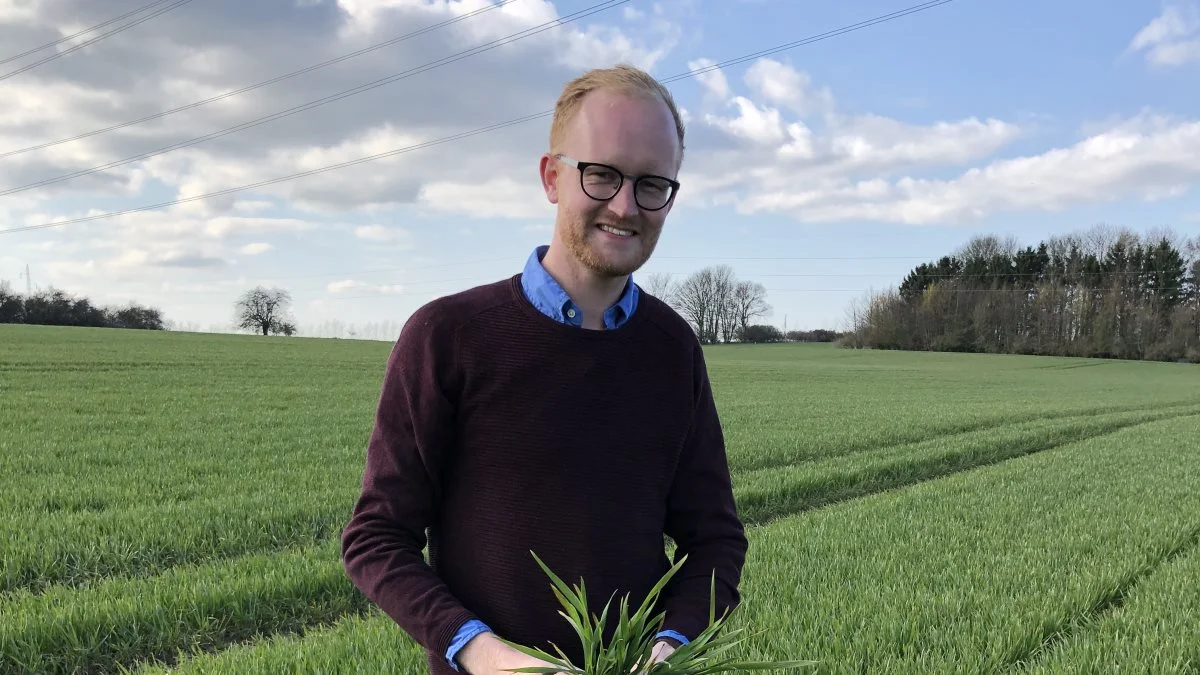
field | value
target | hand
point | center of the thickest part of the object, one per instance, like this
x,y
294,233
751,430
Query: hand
x,y
485,654
661,650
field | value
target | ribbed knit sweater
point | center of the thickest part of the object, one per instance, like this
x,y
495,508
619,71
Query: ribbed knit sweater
x,y
500,431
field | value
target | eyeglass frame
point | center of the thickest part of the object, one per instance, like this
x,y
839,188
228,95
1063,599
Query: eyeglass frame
x,y
582,166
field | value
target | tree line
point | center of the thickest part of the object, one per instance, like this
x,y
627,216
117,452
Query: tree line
x,y
720,307
1106,292
54,307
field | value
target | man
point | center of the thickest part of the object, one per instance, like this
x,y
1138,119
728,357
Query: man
x,y
562,412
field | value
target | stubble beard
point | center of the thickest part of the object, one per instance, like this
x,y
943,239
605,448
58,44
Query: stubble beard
x,y
576,236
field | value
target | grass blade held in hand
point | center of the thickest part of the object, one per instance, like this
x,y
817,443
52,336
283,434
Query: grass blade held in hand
x,y
634,638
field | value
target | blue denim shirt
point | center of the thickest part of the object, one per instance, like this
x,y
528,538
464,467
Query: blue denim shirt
x,y
549,297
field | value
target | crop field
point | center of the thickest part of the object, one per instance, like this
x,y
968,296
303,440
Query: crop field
x,y
170,503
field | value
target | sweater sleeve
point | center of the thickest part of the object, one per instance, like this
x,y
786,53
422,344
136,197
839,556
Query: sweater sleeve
x,y
702,520
383,542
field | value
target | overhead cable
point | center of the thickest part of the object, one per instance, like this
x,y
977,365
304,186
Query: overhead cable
x,y
445,139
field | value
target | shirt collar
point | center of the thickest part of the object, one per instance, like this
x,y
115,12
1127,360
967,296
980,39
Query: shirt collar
x,y
549,297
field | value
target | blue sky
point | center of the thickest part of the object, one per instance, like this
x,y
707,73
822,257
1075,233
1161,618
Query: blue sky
x,y
821,172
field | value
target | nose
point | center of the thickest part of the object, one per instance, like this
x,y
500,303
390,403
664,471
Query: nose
x,y
624,204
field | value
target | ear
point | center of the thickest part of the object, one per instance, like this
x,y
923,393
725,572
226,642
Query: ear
x,y
548,168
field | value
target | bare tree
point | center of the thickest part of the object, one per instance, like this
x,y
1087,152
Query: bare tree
x,y
856,322
265,311
717,305
986,247
1102,237
725,318
660,286
695,301
749,302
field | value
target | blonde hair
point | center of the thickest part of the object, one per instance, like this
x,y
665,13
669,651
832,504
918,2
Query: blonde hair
x,y
623,79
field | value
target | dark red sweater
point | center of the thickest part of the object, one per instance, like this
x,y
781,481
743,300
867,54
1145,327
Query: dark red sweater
x,y
500,431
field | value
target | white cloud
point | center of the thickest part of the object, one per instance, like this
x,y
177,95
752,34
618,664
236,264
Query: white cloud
x,y
609,44
252,205
153,247
1172,38
1147,158
256,248
384,235
762,126
362,287
761,159
193,53
786,86
771,140
713,81
226,226
344,285
134,262
207,49
17,11
497,198
786,149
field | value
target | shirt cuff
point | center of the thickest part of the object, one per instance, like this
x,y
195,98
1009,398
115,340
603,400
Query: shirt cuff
x,y
469,630
674,636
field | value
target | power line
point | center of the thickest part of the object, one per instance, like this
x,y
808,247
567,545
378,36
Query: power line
x,y
1074,279
815,38
265,83
1022,291
792,258
85,30
1053,274
359,272
81,45
474,51
393,269
427,144
282,179
1098,291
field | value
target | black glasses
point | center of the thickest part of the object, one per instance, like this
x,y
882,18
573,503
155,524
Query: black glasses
x,y
602,182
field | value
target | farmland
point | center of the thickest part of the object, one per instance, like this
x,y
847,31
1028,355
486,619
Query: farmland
x,y
171,502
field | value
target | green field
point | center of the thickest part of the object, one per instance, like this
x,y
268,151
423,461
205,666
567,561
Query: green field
x,y
171,503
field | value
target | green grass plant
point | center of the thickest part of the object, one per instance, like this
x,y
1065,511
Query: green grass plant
x,y
186,609
169,502
1155,628
973,572
770,493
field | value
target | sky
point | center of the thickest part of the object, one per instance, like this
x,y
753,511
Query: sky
x,y
824,171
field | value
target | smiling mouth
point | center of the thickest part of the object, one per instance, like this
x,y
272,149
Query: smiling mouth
x,y
616,231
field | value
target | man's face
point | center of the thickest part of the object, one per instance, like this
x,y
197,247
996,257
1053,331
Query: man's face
x,y
636,136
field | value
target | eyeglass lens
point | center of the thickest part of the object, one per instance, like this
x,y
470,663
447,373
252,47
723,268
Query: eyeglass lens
x,y
601,182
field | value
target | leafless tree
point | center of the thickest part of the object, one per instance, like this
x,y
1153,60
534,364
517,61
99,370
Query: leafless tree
x,y
660,286
749,302
695,300
1103,236
724,283
717,304
856,321
986,247
265,311
703,298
